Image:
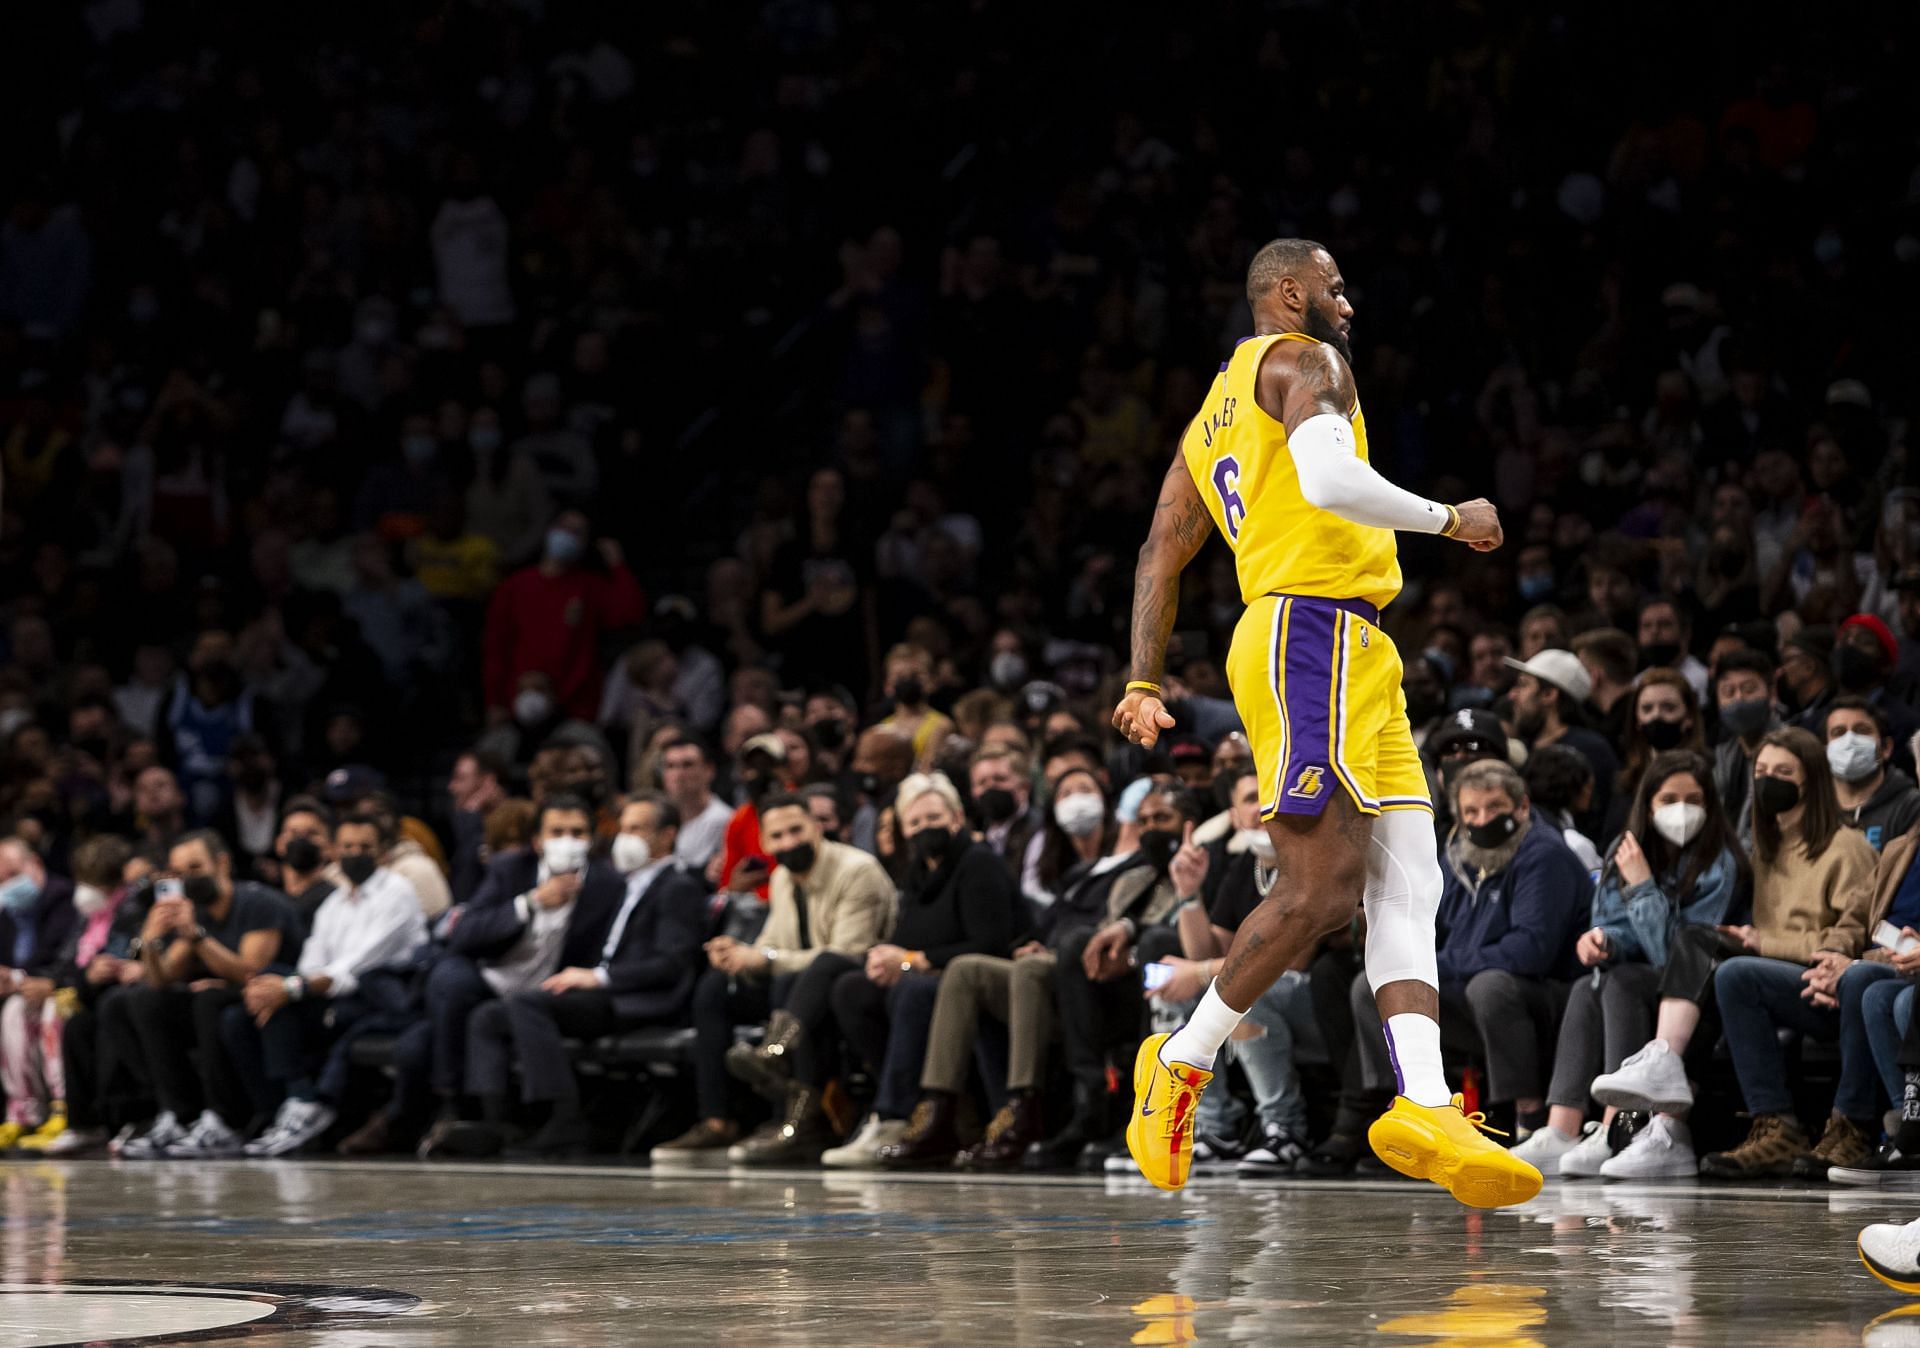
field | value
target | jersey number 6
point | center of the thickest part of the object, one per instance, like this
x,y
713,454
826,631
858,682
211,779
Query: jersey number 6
x,y
1226,481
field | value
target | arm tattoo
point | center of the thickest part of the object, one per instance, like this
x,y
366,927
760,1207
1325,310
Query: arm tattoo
x,y
1180,526
1322,383
1245,952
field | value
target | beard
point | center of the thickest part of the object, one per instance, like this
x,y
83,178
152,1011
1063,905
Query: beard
x,y
1324,329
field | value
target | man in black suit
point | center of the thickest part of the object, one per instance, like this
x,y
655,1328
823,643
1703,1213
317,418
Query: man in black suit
x,y
642,975
535,913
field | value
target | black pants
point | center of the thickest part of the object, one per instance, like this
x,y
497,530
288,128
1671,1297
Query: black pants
x,y
532,1028
1691,960
888,1029
720,1002
106,1087
1330,981
175,1034
1513,1020
1096,1019
455,990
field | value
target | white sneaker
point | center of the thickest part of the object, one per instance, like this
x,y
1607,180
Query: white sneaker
x,y
162,1133
1653,1081
76,1140
1891,1253
298,1123
1584,1159
862,1150
209,1140
1661,1150
1543,1149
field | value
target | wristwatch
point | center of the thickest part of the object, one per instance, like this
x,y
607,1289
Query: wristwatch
x,y
769,954
199,934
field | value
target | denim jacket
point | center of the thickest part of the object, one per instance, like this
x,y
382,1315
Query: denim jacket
x,y
1639,920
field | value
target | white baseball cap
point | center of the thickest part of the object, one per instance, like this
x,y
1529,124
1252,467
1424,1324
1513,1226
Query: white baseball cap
x,y
1562,669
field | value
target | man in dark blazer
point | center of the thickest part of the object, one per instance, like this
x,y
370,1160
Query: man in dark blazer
x,y
535,913
643,974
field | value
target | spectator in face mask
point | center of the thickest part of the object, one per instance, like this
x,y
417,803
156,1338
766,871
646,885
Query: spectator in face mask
x,y
882,758
1743,687
909,683
537,912
1097,978
1864,658
1804,684
1665,718
551,617
304,848
830,719
823,803
204,937
1003,799
742,866
1665,637
1610,659
1874,796
1007,665
1466,736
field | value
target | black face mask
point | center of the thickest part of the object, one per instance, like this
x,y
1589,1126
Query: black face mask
x,y
1659,654
930,843
868,784
301,855
757,787
996,805
1748,717
358,867
1775,795
202,891
1158,846
909,691
1662,733
798,859
831,733
1495,832
1854,670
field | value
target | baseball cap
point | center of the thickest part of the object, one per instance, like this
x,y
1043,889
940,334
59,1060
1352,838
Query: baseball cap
x,y
1562,669
350,783
1469,725
768,743
1186,749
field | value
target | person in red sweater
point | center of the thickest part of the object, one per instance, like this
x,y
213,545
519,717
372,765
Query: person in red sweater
x,y
550,617
742,865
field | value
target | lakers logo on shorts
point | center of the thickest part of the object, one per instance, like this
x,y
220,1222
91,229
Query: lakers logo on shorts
x,y
1309,784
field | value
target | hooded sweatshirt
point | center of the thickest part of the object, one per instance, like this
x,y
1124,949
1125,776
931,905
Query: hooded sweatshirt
x,y
1889,812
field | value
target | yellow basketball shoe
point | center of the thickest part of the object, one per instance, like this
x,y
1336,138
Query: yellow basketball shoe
x,y
1449,1147
41,1137
1166,1096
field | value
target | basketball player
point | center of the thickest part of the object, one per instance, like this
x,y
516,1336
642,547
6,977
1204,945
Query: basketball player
x,y
1277,460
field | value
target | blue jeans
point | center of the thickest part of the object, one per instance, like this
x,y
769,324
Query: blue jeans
x,y
1886,1009
1757,998
1860,1078
1285,1012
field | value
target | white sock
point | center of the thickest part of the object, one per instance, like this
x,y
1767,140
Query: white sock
x,y
1198,1041
1413,1042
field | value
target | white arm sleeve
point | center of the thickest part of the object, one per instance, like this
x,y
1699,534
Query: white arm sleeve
x,y
1334,477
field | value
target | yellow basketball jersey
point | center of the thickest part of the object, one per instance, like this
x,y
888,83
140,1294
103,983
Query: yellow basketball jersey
x,y
1282,544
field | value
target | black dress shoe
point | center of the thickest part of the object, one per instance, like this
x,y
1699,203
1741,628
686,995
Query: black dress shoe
x,y
558,1138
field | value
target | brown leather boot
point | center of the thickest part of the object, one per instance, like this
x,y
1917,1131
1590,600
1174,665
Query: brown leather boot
x,y
767,1069
931,1138
372,1138
802,1135
1013,1130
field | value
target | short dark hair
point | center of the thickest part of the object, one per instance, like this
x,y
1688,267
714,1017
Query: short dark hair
x,y
208,838
1679,609
489,762
561,800
1556,775
1854,702
686,742
1282,257
781,800
365,819
1746,660
825,791
312,805
665,813
1613,650
1183,800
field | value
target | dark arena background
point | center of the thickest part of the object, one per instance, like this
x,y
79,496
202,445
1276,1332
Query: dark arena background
x,y
565,572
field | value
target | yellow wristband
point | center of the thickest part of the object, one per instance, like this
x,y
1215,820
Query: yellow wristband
x,y
1453,522
1143,686
906,965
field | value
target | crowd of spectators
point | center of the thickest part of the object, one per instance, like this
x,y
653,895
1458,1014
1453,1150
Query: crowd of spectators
x,y
521,526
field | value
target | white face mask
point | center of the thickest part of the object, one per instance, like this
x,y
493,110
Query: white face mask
x,y
1680,824
1257,841
531,706
630,853
564,855
1079,815
1853,757
89,900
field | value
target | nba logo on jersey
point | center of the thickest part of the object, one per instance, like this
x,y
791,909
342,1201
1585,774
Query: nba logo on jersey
x,y
1310,783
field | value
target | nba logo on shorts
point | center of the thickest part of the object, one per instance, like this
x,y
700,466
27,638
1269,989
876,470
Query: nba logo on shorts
x,y
1310,783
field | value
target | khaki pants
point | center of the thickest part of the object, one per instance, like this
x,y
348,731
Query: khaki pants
x,y
1017,993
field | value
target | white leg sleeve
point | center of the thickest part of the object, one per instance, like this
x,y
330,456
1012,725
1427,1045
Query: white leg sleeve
x,y
1403,897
